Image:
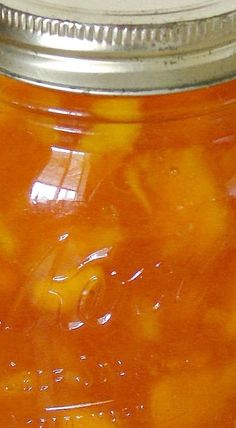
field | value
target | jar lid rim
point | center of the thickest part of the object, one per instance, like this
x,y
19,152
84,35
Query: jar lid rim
x,y
119,53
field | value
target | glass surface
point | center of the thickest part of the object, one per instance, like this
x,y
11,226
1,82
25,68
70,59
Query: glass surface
x,y
118,259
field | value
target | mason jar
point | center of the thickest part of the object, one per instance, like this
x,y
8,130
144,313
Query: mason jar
x,y
118,214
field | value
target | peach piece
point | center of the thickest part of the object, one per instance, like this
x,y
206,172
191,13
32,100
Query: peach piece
x,y
92,239
177,190
70,273
147,324
64,295
18,383
7,241
134,180
118,109
189,400
223,319
110,137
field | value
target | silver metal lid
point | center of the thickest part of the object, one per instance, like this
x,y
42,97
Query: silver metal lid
x,y
125,46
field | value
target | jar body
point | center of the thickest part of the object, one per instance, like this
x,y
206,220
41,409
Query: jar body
x,y
118,256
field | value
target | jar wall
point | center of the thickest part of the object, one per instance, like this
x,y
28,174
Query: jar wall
x,y
117,251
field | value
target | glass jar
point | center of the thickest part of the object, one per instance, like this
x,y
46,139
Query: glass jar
x,y
118,215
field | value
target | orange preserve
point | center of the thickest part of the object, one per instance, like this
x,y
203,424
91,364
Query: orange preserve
x,y
117,216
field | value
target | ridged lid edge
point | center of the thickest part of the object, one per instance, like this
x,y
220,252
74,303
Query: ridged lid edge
x,y
117,58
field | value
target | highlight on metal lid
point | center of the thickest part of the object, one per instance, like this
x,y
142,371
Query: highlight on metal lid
x,y
130,46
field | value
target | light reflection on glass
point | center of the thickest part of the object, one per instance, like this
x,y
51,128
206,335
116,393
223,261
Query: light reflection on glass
x,y
99,254
75,325
136,275
103,320
78,406
64,178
